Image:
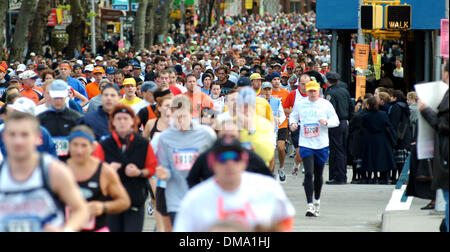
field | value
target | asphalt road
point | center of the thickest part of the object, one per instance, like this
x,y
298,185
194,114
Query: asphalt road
x,y
344,208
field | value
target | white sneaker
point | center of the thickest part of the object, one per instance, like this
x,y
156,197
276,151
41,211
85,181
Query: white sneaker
x,y
310,210
303,168
295,170
150,210
282,175
316,204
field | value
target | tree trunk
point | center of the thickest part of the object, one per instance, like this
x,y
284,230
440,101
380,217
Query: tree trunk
x,y
21,32
218,11
76,29
4,7
150,20
202,15
139,38
210,12
165,16
39,26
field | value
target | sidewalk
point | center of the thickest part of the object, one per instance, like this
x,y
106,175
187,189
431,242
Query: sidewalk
x,y
413,220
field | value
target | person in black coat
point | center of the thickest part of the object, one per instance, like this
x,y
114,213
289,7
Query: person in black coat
x,y
377,153
399,114
356,142
440,123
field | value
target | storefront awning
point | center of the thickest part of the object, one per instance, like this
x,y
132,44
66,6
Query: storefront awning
x,y
110,14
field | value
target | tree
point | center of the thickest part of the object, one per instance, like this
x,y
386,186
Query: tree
x,y
210,11
21,32
38,26
4,8
165,16
139,39
150,20
76,29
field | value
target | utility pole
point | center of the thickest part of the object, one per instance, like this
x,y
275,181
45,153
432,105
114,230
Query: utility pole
x,y
94,46
361,39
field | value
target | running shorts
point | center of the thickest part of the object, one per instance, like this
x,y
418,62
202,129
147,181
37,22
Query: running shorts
x,y
161,205
282,134
295,138
320,155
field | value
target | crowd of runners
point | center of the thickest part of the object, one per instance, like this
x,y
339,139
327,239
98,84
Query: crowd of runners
x,y
196,126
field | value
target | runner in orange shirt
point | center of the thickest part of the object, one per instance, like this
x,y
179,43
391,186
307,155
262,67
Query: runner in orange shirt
x,y
199,99
93,88
283,131
28,88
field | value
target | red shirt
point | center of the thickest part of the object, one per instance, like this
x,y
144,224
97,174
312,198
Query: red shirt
x,y
150,160
174,90
290,100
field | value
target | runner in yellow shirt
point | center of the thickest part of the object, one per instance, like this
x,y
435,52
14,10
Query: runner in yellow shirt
x,y
129,86
257,133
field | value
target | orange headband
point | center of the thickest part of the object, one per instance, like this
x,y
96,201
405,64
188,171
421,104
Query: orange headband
x,y
64,65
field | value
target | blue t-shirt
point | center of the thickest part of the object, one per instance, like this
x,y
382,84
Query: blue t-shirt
x,y
77,86
47,144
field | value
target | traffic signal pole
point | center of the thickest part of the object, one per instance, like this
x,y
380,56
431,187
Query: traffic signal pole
x,y
361,39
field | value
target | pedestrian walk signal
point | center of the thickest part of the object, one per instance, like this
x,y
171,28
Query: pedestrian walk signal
x,y
398,17
371,17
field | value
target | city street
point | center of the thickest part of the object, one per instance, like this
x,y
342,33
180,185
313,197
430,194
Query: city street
x,y
344,208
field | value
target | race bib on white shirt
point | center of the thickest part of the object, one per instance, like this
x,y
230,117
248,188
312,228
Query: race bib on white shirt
x,y
184,159
311,130
22,224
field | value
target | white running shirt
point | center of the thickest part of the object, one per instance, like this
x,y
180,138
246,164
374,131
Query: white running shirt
x,y
312,134
260,200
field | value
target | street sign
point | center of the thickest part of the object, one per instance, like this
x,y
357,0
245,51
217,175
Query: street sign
x,y
122,7
398,17
362,56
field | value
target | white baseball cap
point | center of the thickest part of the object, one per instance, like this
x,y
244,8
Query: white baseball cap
x,y
59,89
21,68
24,105
29,74
89,68
99,58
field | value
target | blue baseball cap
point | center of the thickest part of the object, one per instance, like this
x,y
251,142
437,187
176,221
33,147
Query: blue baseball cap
x,y
110,70
149,86
274,75
244,82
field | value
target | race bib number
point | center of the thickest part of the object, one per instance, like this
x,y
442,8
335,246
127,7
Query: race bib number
x,y
62,146
311,130
90,225
22,224
184,159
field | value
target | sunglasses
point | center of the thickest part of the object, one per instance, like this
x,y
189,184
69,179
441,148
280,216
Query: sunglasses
x,y
228,155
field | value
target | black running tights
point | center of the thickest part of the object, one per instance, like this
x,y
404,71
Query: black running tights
x,y
315,171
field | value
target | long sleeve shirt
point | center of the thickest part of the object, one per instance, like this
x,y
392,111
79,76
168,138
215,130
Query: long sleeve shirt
x,y
307,114
177,152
